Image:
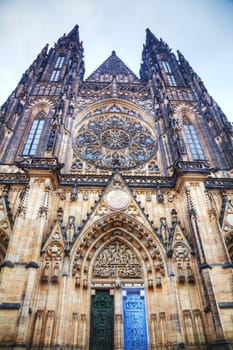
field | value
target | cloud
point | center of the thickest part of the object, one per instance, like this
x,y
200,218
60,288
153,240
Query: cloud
x,y
201,30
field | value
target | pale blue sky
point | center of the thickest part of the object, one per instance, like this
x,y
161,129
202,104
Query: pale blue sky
x,y
201,29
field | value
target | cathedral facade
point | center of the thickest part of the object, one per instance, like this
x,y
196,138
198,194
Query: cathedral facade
x,y
116,207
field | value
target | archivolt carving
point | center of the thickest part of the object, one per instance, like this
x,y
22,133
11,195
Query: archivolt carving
x,y
117,260
121,228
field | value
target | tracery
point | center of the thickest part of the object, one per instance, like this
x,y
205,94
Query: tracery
x,y
115,139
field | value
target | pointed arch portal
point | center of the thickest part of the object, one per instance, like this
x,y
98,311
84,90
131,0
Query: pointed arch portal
x,y
117,256
118,261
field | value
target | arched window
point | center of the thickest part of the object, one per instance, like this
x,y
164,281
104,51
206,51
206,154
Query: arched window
x,y
170,76
193,140
57,68
34,135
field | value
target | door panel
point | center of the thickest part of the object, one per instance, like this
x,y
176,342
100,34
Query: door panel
x,y
135,328
102,319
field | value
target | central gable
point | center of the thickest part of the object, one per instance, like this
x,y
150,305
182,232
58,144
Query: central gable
x,y
112,68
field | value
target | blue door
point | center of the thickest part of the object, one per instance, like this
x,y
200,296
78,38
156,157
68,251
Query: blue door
x,y
134,319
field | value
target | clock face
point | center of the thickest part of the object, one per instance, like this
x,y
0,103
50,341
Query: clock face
x,y
115,139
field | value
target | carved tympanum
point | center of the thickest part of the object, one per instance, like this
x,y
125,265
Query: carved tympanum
x,y
117,260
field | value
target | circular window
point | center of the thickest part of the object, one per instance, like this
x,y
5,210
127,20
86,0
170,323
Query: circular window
x,y
114,141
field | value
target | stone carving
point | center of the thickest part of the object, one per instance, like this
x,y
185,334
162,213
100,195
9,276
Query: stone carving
x,y
74,193
43,209
77,164
52,262
123,226
117,199
159,195
23,202
189,272
181,255
70,229
181,276
181,252
164,232
102,179
117,260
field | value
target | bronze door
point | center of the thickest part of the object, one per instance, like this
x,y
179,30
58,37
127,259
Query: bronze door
x,y
102,321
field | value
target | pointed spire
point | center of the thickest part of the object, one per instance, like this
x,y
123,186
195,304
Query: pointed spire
x,y
150,37
156,44
74,34
185,67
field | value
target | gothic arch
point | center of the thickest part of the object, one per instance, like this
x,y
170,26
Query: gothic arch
x,y
125,230
183,109
117,243
139,112
41,103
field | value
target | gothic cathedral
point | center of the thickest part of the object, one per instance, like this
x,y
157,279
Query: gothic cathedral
x,y
116,206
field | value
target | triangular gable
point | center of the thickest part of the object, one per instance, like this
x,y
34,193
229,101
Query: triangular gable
x,y
117,197
112,67
55,239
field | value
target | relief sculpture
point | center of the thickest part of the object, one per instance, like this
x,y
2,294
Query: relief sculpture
x,y
117,260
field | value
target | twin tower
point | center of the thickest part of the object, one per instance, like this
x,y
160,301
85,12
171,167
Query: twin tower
x,y
116,207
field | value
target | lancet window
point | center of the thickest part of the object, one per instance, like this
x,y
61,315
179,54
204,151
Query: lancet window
x,y
170,76
193,140
34,135
57,68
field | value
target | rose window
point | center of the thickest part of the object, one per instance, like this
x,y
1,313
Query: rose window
x,y
115,141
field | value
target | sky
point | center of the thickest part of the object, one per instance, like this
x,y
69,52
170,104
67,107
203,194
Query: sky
x,y
201,29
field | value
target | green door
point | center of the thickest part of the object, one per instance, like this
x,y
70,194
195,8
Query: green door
x,y
102,320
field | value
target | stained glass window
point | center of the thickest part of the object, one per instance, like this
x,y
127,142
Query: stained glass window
x,y
170,76
57,68
33,137
193,141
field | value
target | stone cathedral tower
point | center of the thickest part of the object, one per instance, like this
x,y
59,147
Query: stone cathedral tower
x,y
116,207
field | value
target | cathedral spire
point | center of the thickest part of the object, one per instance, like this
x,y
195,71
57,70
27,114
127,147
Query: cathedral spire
x,y
71,37
155,44
74,34
150,37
